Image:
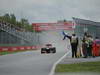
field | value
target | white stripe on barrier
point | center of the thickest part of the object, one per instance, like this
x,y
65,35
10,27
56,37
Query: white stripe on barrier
x,y
5,49
22,48
28,47
33,47
14,49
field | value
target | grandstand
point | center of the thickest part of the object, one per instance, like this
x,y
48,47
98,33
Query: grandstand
x,y
11,34
91,27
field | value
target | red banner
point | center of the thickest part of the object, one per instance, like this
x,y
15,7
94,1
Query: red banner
x,y
53,26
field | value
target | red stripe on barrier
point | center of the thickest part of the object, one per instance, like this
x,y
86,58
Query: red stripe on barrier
x,y
18,48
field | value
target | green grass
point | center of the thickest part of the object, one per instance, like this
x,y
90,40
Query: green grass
x,y
79,67
4,53
7,52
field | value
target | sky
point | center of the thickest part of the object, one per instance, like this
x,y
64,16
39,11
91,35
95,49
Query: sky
x,y
51,10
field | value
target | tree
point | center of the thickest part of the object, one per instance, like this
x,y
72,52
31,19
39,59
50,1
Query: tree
x,y
13,19
6,17
19,24
24,21
64,20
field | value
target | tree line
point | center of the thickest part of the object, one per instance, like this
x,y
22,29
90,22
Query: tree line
x,y
23,23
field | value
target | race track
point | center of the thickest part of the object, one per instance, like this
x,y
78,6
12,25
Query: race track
x,y
33,62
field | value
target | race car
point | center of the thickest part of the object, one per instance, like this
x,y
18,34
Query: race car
x,y
48,49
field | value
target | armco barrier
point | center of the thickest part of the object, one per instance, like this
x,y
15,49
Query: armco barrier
x,y
18,48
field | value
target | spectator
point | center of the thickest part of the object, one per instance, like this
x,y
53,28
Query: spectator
x,y
90,43
85,45
96,47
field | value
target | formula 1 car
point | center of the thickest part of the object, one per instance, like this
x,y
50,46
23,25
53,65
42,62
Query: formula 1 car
x,y
48,49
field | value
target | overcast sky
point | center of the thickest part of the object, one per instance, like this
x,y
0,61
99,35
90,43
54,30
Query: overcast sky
x,y
52,10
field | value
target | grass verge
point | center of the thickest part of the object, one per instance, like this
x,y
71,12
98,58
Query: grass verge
x,y
8,52
79,67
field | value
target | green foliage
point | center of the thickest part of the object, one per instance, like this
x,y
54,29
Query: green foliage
x,y
13,19
79,67
12,52
6,17
23,23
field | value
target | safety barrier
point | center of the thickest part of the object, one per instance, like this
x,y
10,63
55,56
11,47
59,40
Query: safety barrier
x,y
18,48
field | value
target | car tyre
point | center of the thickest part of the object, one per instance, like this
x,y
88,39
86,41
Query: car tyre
x,y
53,50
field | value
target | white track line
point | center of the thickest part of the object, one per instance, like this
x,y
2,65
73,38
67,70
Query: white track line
x,y
55,64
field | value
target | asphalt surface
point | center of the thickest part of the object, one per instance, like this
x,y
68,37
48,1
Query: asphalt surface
x,y
69,60
28,63
33,62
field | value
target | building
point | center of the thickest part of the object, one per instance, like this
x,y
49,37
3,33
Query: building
x,y
88,26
